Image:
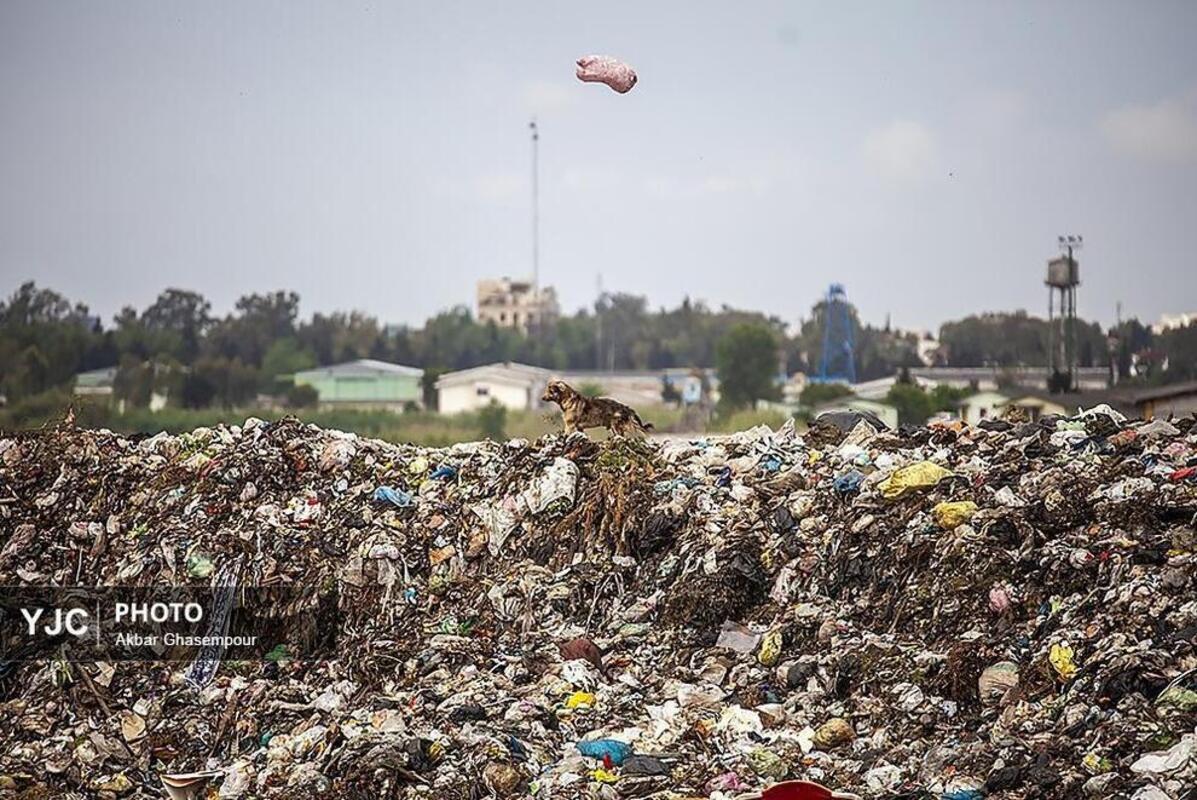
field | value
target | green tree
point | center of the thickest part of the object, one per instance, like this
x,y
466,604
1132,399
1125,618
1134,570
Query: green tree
x,y
746,358
134,381
284,357
428,386
257,322
815,394
1179,346
913,404
302,395
219,381
492,421
181,318
44,341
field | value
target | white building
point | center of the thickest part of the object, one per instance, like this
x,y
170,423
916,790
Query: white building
x,y
96,382
983,405
514,386
515,304
1169,321
640,388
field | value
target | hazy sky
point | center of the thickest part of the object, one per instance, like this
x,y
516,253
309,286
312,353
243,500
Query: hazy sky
x,y
376,156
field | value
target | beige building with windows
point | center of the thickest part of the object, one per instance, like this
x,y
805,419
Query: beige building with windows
x,y
515,304
514,386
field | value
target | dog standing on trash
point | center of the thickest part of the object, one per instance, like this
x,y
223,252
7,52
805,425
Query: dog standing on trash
x,y
581,412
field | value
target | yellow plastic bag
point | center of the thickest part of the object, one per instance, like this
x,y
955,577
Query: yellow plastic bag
x,y
770,650
602,776
1061,658
922,475
580,699
953,515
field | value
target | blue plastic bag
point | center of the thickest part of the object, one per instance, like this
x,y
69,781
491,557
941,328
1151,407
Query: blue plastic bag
x,y
606,748
389,494
848,482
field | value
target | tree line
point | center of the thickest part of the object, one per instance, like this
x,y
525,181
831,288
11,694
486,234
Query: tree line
x,y
177,346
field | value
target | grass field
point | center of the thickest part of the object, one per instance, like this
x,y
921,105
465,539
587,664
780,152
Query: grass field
x,y
421,427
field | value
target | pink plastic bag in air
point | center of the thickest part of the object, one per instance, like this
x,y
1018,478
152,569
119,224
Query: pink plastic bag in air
x,y
605,69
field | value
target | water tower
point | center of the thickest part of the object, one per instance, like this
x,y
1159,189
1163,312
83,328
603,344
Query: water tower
x,y
1063,277
838,360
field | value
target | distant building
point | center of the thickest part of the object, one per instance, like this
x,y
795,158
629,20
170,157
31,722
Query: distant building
x,y
878,388
364,384
990,378
928,349
514,386
1169,321
792,389
100,383
982,406
516,304
96,382
1039,403
639,388
1177,400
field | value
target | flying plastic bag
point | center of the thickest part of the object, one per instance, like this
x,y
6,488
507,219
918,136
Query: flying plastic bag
x,y
605,69
922,475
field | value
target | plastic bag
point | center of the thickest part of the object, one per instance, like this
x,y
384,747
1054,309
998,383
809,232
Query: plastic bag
x,y
922,475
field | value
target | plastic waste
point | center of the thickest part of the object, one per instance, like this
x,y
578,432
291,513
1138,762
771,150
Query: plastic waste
x,y
396,497
951,515
605,69
922,475
611,750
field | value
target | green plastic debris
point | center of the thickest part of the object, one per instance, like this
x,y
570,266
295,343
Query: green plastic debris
x,y
278,654
1179,698
200,566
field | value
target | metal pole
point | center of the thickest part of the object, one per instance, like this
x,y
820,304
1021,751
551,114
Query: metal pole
x,y
535,210
598,326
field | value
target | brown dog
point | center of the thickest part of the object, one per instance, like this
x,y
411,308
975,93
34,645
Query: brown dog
x,y
581,412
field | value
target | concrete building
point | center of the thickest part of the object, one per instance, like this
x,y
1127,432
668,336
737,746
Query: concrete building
x,y
515,304
1170,321
514,386
99,383
365,384
95,382
982,406
640,388
928,349
1177,400
1039,403
989,378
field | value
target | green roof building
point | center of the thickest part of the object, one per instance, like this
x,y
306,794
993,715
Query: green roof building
x,y
365,384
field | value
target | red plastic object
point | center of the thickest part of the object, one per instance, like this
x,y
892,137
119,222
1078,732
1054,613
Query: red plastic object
x,y
802,790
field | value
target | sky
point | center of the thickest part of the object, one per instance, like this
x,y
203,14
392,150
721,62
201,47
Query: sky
x,y
376,156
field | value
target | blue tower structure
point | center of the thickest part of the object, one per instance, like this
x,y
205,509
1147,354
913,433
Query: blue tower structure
x,y
838,360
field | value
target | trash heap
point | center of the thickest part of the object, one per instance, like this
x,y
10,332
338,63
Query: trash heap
x,y
1003,611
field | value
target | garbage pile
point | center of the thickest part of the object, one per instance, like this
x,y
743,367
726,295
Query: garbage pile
x,y
1001,611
